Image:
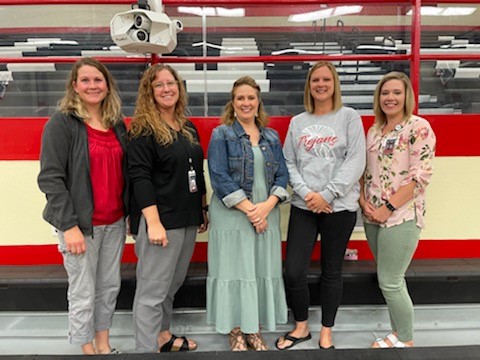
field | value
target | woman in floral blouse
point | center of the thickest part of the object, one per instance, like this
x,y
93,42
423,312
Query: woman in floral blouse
x,y
400,152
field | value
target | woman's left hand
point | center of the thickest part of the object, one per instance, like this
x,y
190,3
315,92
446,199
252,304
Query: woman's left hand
x,y
259,213
381,214
204,226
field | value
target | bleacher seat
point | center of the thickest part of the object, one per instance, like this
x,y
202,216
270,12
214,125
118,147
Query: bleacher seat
x,y
439,281
282,83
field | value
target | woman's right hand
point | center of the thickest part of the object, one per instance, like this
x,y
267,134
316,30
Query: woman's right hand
x,y
75,241
367,209
157,235
248,208
261,226
317,204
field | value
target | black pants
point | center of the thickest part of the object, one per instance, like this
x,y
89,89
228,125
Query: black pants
x,y
335,230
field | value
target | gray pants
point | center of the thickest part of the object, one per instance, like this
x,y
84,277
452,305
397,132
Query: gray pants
x,y
160,273
93,281
393,248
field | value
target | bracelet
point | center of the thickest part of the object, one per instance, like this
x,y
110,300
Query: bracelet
x,y
205,208
390,206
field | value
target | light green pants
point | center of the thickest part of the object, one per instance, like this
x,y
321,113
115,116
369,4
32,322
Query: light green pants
x,y
393,249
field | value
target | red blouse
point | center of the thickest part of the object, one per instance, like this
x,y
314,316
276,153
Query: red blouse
x,y
106,156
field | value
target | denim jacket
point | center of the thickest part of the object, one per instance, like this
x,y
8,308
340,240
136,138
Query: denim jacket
x,y
230,163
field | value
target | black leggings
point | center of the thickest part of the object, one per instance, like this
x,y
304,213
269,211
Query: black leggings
x,y
303,228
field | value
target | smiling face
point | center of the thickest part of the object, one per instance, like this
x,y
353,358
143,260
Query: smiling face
x,y
322,85
90,85
245,103
392,99
165,90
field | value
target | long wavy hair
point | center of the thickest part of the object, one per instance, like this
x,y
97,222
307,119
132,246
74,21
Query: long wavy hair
x,y
228,116
380,117
147,119
111,107
308,100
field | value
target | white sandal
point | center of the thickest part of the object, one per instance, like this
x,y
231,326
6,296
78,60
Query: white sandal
x,y
393,339
399,344
382,344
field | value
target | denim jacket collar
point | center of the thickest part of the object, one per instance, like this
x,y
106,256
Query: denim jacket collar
x,y
240,131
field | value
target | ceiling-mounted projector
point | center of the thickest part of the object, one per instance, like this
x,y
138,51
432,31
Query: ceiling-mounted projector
x,y
142,30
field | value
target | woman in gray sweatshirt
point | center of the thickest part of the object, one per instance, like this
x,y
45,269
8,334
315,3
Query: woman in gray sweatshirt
x,y
325,154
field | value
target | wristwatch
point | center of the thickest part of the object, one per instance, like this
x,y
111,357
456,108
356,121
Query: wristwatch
x,y
390,206
205,208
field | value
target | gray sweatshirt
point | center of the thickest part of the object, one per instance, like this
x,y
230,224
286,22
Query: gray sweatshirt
x,y
326,154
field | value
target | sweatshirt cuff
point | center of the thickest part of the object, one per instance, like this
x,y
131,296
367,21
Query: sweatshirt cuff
x,y
327,195
303,191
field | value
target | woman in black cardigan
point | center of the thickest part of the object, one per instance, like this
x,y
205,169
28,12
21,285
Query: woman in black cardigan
x,y
165,165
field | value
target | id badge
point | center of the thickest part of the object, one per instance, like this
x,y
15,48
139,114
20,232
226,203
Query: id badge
x,y
389,146
192,181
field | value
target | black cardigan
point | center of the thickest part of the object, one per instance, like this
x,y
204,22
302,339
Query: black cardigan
x,y
159,176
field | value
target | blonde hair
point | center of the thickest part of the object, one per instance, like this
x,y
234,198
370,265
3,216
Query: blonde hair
x,y
147,119
308,101
228,116
111,107
380,117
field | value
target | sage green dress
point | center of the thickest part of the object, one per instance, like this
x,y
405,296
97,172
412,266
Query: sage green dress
x,y
245,284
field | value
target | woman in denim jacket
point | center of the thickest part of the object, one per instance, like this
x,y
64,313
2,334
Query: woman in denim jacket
x,y
249,178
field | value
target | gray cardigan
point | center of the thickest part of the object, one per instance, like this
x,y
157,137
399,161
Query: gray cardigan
x,y
65,172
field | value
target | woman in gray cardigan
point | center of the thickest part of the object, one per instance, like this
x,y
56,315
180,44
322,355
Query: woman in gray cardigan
x,y
83,177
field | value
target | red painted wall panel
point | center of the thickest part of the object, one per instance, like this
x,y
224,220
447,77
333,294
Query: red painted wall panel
x,y
427,249
457,135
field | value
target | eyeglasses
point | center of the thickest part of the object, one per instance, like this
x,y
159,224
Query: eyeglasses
x,y
161,86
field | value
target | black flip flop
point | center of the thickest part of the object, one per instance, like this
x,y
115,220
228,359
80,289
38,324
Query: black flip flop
x,y
294,340
331,347
169,347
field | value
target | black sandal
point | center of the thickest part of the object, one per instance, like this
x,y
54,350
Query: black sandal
x,y
169,347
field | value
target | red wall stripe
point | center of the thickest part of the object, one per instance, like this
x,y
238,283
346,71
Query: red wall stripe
x,y
457,135
427,249
20,138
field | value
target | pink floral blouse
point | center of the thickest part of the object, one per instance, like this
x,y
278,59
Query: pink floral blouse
x,y
395,159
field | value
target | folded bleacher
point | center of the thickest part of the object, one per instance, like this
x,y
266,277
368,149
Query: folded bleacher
x,y
438,281
33,89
